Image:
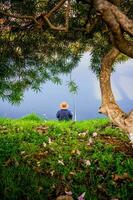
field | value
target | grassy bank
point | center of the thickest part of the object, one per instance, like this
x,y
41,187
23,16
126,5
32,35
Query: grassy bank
x,y
42,160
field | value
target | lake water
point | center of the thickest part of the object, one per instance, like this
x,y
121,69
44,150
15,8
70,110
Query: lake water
x,y
88,97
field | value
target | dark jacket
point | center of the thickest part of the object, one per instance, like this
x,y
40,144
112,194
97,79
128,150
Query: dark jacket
x,y
64,114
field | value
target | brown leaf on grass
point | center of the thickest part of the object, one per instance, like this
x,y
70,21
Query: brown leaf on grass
x,y
64,197
9,162
16,163
37,169
101,188
49,140
26,156
39,189
72,173
42,129
90,141
94,134
75,151
22,152
44,144
83,134
67,190
52,173
87,162
118,144
121,177
29,162
40,155
115,199
60,162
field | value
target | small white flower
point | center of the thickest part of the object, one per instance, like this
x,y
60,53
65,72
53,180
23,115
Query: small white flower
x,y
78,152
94,134
44,144
82,134
90,142
87,162
49,141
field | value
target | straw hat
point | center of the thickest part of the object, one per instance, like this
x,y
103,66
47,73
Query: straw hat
x,y
64,105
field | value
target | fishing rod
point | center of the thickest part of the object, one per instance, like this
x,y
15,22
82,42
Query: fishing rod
x,y
75,107
74,102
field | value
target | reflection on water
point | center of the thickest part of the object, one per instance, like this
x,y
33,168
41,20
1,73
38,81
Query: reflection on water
x,y
87,99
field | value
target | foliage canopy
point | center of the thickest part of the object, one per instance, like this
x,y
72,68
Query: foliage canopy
x,y
39,39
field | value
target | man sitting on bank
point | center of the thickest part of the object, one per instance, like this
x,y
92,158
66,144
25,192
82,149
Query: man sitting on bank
x,y
64,113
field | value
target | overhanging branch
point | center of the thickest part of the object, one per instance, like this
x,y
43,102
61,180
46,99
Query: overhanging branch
x,y
59,28
19,16
44,17
54,9
54,27
123,20
106,9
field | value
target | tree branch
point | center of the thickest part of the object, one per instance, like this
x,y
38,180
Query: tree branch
x,y
55,8
54,27
46,17
124,21
105,9
67,15
59,28
19,16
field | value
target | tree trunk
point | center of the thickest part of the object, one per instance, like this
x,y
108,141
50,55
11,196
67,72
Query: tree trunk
x,y
118,23
109,106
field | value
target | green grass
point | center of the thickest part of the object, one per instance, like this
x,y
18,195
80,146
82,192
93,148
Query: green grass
x,y
39,160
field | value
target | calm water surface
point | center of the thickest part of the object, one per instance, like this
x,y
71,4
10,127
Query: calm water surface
x,y
88,97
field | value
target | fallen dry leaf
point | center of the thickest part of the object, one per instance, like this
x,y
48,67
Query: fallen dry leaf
x,y
22,152
65,197
44,144
75,151
82,134
87,162
8,162
94,134
72,173
60,162
52,173
114,199
39,189
41,129
37,169
49,141
121,177
90,141
69,193
40,155
81,197
78,152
